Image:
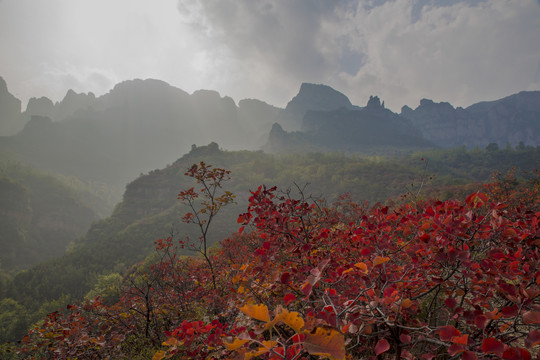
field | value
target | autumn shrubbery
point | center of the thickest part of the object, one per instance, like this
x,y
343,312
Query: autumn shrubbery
x,y
302,279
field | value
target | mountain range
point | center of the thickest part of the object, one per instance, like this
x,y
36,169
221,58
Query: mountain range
x,y
141,125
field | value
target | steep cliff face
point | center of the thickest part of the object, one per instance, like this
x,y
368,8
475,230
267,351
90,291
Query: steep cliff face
x,y
10,111
509,120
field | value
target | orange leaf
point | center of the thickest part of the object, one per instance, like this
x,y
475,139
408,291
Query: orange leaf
x,y
362,267
325,341
380,260
258,312
159,355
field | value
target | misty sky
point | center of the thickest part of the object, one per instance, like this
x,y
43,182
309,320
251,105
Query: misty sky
x,y
461,51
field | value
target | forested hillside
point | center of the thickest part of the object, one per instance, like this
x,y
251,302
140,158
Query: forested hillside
x,y
42,214
302,278
150,209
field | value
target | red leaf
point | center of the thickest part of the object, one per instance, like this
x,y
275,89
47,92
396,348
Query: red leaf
x,y
382,346
405,339
451,303
455,349
477,199
285,278
509,311
289,298
307,288
469,355
531,317
448,332
480,321
462,340
492,346
532,339
514,354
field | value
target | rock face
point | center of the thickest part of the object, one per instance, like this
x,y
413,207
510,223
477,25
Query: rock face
x,y
312,97
10,111
513,119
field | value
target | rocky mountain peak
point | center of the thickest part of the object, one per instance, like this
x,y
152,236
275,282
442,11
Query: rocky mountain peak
x,y
316,97
374,103
10,111
42,106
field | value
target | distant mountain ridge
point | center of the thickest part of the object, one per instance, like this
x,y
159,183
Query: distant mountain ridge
x,y
138,126
352,129
143,124
513,119
337,125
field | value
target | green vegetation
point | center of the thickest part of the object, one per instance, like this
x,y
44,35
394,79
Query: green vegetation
x,y
41,215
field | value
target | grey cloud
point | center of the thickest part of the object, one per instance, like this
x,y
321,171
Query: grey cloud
x,y
289,36
455,50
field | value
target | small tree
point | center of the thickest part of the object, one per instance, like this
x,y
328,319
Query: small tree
x,y
206,203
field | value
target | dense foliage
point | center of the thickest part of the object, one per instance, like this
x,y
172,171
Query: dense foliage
x,y
302,279
150,210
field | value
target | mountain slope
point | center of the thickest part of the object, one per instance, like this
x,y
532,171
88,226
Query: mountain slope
x,y
40,217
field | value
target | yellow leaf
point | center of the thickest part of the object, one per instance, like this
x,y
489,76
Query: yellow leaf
x,y
159,355
324,341
362,267
241,289
258,312
380,260
291,319
235,344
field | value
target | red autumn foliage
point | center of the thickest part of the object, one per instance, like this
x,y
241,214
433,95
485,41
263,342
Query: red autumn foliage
x,y
431,279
